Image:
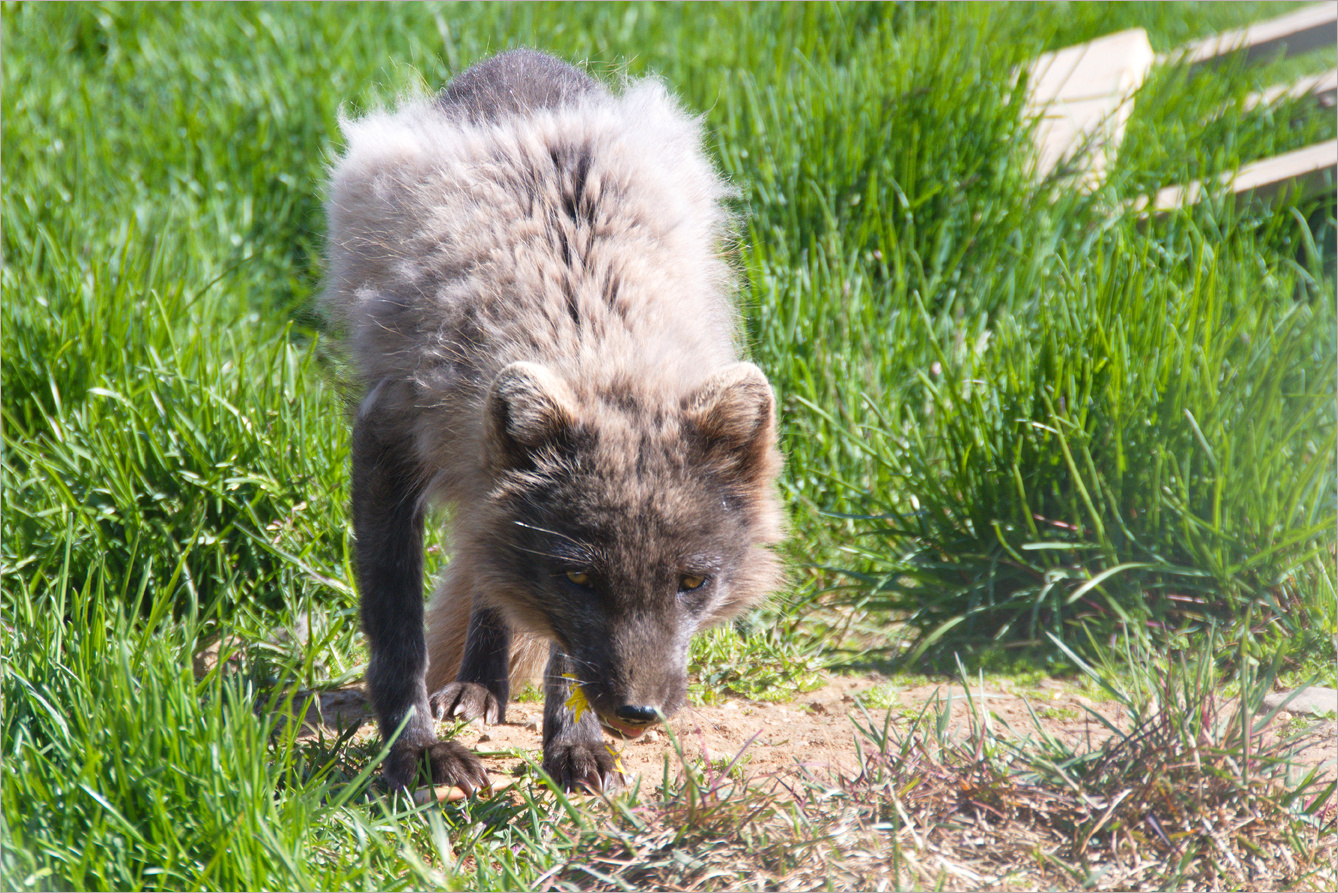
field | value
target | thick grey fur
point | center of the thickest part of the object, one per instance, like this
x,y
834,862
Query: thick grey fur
x,y
527,274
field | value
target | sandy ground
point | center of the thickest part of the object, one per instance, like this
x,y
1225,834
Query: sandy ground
x,y
815,730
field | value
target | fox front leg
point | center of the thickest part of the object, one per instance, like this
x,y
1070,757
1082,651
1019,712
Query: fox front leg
x,y
388,529
575,753
482,687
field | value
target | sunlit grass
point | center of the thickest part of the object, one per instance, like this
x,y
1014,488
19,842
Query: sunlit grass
x,y
1008,410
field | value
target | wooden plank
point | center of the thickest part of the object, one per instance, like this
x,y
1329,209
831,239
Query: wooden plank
x,y
1324,88
1081,96
1310,28
1309,171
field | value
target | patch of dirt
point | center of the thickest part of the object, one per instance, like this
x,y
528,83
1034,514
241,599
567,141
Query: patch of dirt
x,y
1146,806
815,730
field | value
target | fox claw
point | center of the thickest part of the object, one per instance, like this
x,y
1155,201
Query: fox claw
x,y
467,701
439,763
592,767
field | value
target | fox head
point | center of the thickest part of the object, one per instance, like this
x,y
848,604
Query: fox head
x,y
620,527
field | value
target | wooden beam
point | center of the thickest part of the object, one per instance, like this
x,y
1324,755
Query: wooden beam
x,y
1081,96
1324,88
1310,28
1307,172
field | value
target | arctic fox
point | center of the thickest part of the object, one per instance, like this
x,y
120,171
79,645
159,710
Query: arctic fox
x,y
527,274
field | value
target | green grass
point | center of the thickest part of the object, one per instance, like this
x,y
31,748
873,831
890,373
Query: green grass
x,y
1013,416
1161,452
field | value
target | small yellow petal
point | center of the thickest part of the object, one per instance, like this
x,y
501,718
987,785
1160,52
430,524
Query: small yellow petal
x,y
617,757
576,703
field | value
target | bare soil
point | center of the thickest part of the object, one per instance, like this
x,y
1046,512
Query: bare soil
x,y
962,826
815,731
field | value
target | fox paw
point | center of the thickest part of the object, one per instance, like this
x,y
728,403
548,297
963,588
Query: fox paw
x,y
468,701
439,763
589,765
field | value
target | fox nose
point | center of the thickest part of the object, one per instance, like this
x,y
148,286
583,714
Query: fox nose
x,y
637,715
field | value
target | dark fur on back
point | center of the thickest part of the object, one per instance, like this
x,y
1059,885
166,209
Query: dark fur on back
x,y
513,83
527,270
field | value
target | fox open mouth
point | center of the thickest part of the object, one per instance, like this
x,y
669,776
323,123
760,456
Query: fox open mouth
x,y
620,729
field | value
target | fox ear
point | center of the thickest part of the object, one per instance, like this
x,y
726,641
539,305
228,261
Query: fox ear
x,y
736,413
527,407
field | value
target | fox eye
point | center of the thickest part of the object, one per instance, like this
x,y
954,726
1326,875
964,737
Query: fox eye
x,y
689,582
579,578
